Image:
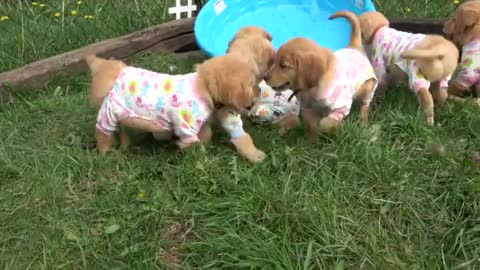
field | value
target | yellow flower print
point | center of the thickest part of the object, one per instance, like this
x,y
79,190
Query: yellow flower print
x,y
168,86
4,18
133,87
74,13
34,3
89,17
79,2
409,10
57,14
186,116
456,2
43,5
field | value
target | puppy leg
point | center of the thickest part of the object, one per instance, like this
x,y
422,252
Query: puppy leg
x,y
477,91
439,93
232,123
367,90
205,133
141,124
382,89
247,149
329,125
124,138
477,95
104,141
163,136
288,122
456,89
426,102
312,124
158,132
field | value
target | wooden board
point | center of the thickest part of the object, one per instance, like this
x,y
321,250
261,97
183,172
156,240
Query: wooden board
x,y
419,25
174,36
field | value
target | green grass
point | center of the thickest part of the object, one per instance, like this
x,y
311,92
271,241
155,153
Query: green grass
x,y
371,197
33,32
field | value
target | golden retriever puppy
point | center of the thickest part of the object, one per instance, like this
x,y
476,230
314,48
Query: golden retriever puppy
x,y
424,58
326,83
132,97
255,44
464,29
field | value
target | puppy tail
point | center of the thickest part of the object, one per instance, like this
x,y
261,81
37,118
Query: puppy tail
x,y
91,60
430,48
423,53
356,37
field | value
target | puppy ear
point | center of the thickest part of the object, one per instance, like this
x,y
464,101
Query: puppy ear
x,y
231,41
236,93
448,27
267,36
309,66
465,21
242,98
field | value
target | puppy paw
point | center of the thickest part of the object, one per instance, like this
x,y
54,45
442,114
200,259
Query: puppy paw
x,y
247,149
256,156
477,102
429,120
329,125
287,123
183,145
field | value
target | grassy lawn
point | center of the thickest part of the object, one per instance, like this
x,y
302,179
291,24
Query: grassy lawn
x,y
373,197
30,31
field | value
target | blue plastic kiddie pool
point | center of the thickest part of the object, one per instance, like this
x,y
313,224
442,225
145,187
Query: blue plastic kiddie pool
x,y
219,20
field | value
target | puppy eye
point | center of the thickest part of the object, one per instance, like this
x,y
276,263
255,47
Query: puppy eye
x,y
282,65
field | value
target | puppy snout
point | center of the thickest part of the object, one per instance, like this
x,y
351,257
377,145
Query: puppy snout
x,y
266,77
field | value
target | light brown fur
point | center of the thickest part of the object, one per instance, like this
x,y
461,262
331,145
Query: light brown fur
x,y
255,44
308,69
356,36
435,56
222,81
463,28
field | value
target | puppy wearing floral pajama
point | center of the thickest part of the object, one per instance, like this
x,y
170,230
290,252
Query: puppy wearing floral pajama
x,y
425,59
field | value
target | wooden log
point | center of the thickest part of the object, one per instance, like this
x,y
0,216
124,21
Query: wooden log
x,y
169,37
419,25
174,36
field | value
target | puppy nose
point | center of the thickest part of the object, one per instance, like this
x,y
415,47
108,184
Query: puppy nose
x,y
265,77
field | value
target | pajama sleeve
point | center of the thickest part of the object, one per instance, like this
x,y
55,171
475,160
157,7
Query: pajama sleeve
x,y
339,113
380,67
185,125
466,77
444,82
107,118
231,122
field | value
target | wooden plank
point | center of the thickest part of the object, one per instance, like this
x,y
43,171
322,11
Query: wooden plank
x,y
168,37
419,25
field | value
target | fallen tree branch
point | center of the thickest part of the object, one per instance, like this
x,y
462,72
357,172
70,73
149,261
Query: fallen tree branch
x,y
174,36
168,37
